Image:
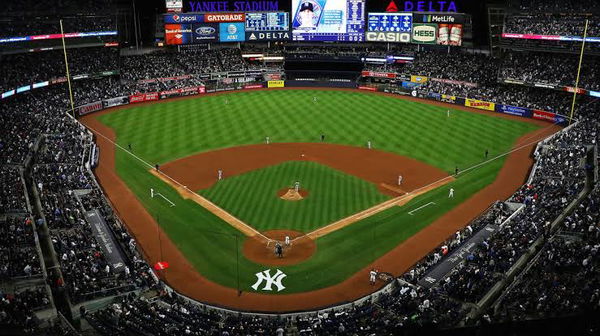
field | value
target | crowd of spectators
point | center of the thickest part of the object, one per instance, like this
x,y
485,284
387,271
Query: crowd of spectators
x,y
559,6
552,24
550,68
19,256
12,193
11,26
17,308
564,278
37,67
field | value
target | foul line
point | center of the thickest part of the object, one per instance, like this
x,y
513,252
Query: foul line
x,y
247,228
152,193
419,208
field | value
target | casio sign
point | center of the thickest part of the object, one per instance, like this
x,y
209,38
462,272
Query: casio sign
x,y
205,31
388,37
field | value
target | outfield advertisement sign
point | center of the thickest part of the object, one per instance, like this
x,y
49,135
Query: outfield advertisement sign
x,y
275,84
115,101
253,86
480,104
514,110
548,116
142,97
179,92
89,108
367,88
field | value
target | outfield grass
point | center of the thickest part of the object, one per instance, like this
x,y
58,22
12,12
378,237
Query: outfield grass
x,y
165,131
333,195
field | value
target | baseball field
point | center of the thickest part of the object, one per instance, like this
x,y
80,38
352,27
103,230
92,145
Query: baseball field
x,y
350,212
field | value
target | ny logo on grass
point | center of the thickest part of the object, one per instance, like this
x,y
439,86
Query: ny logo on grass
x,y
270,280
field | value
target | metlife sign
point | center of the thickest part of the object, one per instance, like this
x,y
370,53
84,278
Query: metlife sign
x,y
424,33
267,36
390,37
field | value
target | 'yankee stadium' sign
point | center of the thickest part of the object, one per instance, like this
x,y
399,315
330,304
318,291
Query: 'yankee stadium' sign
x,y
231,6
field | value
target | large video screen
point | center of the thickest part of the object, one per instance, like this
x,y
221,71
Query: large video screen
x,y
328,20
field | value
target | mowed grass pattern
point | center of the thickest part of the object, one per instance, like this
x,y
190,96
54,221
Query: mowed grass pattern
x,y
168,130
164,131
252,197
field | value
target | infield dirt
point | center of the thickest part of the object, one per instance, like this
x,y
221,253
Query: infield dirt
x,y
184,278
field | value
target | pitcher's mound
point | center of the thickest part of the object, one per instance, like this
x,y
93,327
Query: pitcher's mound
x,y
300,249
290,194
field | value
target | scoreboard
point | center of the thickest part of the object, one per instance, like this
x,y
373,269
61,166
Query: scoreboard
x,y
390,22
263,22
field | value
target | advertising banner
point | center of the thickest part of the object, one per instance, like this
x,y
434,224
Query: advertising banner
x,y
418,79
390,75
367,88
253,86
267,36
543,85
232,32
184,18
142,97
201,89
572,89
176,34
449,34
451,81
513,81
424,33
178,92
225,17
439,18
391,37
548,116
514,110
115,101
275,84
206,32
89,108
480,104
449,99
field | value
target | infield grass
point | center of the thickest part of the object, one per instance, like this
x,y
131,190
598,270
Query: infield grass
x,y
333,195
169,130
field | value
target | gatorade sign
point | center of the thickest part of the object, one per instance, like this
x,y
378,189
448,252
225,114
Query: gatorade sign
x,y
424,33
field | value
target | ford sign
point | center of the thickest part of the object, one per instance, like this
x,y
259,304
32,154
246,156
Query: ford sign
x,y
204,31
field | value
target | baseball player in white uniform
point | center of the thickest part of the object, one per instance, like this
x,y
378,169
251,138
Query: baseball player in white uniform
x,y
220,174
372,276
297,186
287,241
448,113
369,144
268,140
400,178
451,193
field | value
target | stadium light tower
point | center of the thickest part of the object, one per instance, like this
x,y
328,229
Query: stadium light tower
x,y
578,72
